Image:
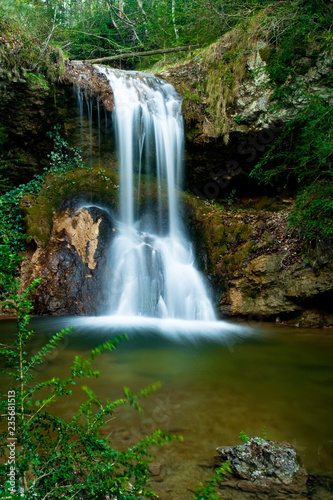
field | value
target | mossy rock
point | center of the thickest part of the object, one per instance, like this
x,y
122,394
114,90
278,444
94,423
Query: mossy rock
x,y
38,214
265,54
94,185
231,263
80,185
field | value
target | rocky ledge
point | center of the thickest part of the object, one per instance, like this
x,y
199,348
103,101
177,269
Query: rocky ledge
x,y
85,77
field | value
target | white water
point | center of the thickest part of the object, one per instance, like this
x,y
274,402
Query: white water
x,y
151,262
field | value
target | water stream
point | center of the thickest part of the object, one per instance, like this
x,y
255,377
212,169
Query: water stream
x,y
153,271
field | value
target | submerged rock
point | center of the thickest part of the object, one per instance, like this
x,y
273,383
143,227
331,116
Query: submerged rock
x,y
261,466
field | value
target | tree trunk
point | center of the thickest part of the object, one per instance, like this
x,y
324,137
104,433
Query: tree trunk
x,y
143,54
173,8
121,8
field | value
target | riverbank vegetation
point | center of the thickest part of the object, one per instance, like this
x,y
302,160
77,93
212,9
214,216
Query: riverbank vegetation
x,y
54,457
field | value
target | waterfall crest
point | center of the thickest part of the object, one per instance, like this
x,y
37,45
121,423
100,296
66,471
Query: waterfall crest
x,y
151,264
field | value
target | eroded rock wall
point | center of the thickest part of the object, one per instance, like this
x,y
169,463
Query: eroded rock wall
x,y
27,113
233,111
260,270
250,105
72,264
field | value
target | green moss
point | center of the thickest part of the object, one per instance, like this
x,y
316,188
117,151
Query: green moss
x,y
192,132
38,215
231,262
21,55
237,231
226,67
216,232
265,54
95,185
92,185
249,293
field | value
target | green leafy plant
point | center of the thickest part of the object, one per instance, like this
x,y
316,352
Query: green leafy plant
x,y
209,491
313,212
244,437
232,197
301,25
38,80
56,457
63,158
4,182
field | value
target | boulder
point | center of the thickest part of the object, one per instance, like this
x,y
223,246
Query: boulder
x,y
71,264
260,466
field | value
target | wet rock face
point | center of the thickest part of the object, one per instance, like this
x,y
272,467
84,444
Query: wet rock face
x,y
28,112
72,263
251,109
261,466
84,76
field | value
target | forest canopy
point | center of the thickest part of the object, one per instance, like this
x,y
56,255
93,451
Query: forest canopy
x,y
89,29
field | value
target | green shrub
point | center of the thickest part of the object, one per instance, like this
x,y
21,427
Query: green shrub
x,y
313,211
303,152
209,491
301,29
63,159
54,457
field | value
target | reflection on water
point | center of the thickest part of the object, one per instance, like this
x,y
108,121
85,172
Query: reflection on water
x,y
213,386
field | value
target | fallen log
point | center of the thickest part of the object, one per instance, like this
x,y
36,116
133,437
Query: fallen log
x,y
129,55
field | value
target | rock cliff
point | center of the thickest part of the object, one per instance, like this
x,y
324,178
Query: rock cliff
x,y
260,269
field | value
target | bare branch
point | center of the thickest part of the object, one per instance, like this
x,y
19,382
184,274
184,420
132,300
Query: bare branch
x,y
143,54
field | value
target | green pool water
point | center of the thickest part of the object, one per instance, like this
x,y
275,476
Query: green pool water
x,y
212,389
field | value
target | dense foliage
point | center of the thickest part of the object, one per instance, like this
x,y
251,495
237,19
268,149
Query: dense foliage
x,y
96,28
299,30
300,159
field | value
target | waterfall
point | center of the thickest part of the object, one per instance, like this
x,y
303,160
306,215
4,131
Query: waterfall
x,y
151,264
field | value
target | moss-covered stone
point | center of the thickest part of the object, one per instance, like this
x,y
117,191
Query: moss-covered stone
x,y
93,186
38,215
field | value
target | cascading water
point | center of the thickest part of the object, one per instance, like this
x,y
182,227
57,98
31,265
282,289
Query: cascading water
x,y
151,262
